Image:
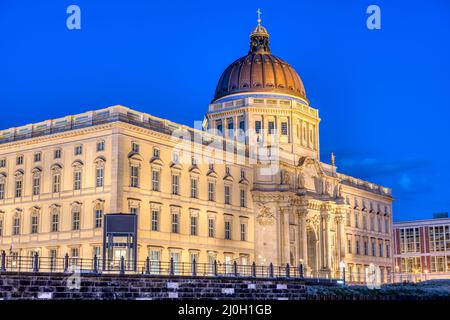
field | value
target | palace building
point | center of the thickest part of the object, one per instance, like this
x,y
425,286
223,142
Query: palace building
x,y
249,186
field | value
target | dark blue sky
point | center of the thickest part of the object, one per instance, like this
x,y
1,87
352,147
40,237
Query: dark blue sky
x,y
383,95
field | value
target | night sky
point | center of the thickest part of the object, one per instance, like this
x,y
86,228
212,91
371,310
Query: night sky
x,y
383,95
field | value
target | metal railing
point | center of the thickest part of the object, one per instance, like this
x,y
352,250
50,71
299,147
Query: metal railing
x,y
36,263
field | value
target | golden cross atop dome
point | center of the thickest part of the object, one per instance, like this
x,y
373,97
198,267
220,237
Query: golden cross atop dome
x,y
259,16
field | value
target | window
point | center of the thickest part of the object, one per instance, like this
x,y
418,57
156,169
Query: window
x,y
227,195
412,265
211,191
175,256
364,221
439,238
348,219
155,180
349,244
219,127
243,232
16,225
380,247
2,190
19,160
98,216
1,227
211,228
34,223
175,157
228,230
57,154
258,127
211,167
155,220
227,171
373,247
356,220
358,250
243,198
386,225
133,210
134,176
37,157
134,147
271,127
194,161
78,150
100,146
230,127
388,250
242,174
76,219
54,227
36,184
155,261
366,247
175,184
242,126
18,191
77,180
410,240
2,163
284,130
99,177
194,223
380,225
156,153
194,188
56,182
175,223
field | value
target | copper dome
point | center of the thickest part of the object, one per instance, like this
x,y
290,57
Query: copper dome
x,y
260,71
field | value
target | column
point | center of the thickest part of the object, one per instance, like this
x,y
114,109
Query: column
x,y
303,238
286,244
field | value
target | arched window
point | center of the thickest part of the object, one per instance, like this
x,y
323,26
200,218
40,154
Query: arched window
x,y
36,181
77,174
18,187
56,178
34,220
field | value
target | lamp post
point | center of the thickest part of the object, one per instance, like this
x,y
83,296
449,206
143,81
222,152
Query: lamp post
x,y
426,272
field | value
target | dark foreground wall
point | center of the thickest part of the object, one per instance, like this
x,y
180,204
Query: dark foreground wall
x,y
63,286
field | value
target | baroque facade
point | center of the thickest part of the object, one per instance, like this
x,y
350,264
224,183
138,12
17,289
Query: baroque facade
x,y
248,186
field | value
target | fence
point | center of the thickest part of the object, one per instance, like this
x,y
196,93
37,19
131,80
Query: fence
x,y
11,263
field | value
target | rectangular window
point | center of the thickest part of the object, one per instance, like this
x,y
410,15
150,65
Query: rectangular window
x,y
76,220
284,129
34,224
37,157
36,185
99,177
211,228
134,176
243,198
242,174
155,261
228,230
98,218
2,163
2,190
100,146
194,188
135,147
388,250
156,153
271,126
349,244
380,248
366,247
19,188
1,227
410,240
175,223
358,249
194,223
56,183
16,226
77,180
258,127
356,220
57,154
211,191
175,184
227,195
242,126
19,160
243,232
372,243
230,127
55,223
155,220
78,150
155,180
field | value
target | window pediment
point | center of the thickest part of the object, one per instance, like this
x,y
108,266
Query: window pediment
x,y
156,161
